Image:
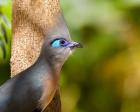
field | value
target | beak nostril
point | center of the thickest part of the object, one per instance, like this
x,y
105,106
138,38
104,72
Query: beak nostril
x,y
75,45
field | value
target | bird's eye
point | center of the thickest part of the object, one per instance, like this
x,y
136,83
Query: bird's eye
x,y
62,42
59,43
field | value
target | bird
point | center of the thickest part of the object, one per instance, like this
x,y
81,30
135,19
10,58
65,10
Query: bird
x,y
33,89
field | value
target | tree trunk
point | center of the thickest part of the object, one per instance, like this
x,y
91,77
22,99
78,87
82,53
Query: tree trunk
x,y
31,21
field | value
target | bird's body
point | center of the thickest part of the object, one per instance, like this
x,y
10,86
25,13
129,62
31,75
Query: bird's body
x,y
32,81
33,89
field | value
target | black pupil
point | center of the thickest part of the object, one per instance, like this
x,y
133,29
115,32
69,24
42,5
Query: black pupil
x,y
62,42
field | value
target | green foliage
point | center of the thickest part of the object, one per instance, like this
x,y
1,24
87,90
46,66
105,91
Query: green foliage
x,y
5,38
5,31
99,75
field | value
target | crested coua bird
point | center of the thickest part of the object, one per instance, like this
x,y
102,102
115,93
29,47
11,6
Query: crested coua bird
x,y
34,88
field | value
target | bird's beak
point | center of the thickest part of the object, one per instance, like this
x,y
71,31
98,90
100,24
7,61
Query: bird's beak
x,y
75,45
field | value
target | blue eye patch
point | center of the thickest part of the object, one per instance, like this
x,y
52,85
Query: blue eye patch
x,y
58,43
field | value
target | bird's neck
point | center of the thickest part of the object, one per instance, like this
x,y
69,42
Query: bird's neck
x,y
47,67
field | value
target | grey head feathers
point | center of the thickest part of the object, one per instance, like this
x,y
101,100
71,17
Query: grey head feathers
x,y
60,28
58,44
57,49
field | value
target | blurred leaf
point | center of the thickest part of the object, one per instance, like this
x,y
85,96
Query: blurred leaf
x,y
5,31
5,38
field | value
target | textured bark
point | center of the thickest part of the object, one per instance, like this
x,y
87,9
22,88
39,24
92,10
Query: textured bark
x,y
31,20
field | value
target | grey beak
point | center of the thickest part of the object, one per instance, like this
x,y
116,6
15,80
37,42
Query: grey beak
x,y
75,45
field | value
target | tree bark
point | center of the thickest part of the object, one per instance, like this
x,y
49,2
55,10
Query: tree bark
x,y
31,21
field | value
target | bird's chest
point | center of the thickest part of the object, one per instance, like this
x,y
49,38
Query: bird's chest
x,y
48,90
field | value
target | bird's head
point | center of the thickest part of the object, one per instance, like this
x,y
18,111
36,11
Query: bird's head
x,y
58,48
58,44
